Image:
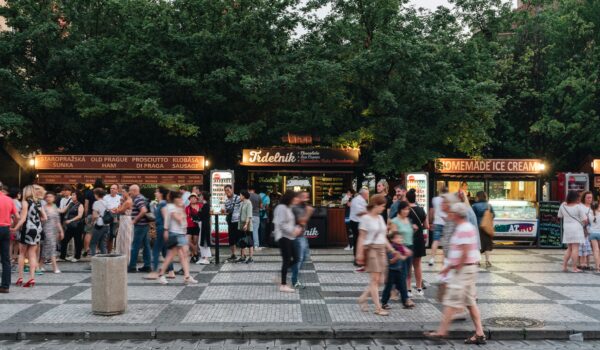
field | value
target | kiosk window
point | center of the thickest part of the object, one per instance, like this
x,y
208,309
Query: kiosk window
x,y
513,190
470,187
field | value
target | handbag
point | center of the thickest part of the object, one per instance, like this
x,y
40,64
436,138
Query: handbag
x,y
487,222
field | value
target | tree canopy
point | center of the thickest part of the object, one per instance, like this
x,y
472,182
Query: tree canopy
x,y
213,76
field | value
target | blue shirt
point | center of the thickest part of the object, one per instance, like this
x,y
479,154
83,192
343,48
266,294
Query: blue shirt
x,y
160,221
266,201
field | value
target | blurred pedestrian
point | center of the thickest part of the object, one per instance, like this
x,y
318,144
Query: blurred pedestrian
x,y
358,208
192,212
438,217
125,232
486,238
256,204
346,203
585,249
8,216
53,231
74,224
418,217
160,248
574,219
302,212
285,232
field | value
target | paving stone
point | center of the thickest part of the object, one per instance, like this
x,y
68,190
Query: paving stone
x,y
82,313
232,313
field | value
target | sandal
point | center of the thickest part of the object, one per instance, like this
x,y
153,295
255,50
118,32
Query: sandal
x,y
381,312
488,264
364,306
434,336
386,307
476,340
409,304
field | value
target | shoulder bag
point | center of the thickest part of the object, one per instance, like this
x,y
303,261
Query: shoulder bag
x,y
487,222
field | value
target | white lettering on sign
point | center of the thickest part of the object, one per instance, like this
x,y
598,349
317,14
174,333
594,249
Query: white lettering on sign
x,y
267,157
311,233
530,166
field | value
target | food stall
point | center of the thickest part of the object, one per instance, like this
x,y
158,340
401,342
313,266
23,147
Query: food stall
x,y
514,188
596,175
325,173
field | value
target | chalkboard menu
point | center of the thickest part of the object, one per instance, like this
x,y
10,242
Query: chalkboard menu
x,y
550,228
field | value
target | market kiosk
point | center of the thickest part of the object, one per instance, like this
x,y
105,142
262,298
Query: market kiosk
x,y
325,173
596,175
514,188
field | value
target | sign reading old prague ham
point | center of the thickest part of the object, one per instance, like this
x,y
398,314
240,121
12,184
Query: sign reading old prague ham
x,y
108,162
299,157
471,166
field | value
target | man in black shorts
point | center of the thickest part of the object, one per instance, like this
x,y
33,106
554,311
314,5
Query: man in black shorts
x,y
232,207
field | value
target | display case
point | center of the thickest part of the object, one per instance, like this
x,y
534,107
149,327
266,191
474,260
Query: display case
x,y
218,180
514,218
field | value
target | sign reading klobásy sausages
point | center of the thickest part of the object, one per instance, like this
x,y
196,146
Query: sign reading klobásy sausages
x,y
461,166
299,157
112,162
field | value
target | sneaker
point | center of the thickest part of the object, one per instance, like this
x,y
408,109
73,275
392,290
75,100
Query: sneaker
x,y
386,307
190,280
146,269
131,270
163,280
286,289
57,271
431,262
360,269
258,249
205,261
193,259
249,261
232,258
242,259
420,292
71,259
409,293
299,285
348,247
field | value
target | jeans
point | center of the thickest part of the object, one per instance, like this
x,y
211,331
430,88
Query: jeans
x,y
262,231
99,236
255,226
140,237
289,257
303,253
159,248
5,256
395,278
354,228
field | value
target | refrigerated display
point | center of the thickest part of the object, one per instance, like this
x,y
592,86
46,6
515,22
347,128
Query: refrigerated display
x,y
579,182
514,218
218,180
420,182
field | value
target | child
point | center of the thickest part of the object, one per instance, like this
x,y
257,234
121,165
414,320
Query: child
x,y
397,272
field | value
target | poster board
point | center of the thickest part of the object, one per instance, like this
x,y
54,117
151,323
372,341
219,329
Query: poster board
x,y
550,228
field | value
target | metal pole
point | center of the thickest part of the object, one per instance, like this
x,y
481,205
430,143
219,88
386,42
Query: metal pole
x,y
217,239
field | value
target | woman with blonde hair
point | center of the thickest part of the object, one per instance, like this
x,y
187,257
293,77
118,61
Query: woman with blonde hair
x,y
29,233
383,188
372,249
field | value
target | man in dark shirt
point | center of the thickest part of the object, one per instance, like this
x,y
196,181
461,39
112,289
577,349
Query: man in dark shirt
x,y
140,230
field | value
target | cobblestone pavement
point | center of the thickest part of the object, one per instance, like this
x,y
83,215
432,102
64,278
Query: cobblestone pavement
x,y
334,344
522,283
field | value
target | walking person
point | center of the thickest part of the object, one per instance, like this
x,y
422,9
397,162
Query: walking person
x,y
256,204
358,208
486,238
285,232
232,209
371,251
205,230
8,216
125,232
175,235
140,231
112,201
463,261
418,217
346,203
405,227
245,229
192,212
439,220
52,229
585,249
29,233
574,219
397,272
594,229
302,212
74,225
265,204
160,248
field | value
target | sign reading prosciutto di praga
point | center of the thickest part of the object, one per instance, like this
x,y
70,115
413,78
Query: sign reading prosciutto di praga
x,y
299,157
118,162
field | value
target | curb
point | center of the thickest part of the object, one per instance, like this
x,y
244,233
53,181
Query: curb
x,y
368,331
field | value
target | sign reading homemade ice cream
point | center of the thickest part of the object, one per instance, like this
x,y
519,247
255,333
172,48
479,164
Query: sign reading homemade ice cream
x,y
299,157
108,162
515,166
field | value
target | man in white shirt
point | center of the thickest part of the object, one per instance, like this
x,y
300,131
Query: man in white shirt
x,y
439,220
358,208
112,201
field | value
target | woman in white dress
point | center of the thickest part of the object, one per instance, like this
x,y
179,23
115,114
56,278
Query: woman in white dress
x,y
574,219
125,232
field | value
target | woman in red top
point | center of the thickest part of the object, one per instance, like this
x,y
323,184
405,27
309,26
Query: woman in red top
x,y
192,212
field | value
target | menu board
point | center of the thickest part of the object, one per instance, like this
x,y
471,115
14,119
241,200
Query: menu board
x,y
218,180
550,228
329,189
140,179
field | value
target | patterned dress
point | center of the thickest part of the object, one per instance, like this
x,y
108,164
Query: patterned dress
x,y
50,232
31,232
124,235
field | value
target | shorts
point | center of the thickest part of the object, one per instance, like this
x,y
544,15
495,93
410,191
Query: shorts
x,y
461,290
234,234
595,236
182,240
193,231
437,232
88,225
245,240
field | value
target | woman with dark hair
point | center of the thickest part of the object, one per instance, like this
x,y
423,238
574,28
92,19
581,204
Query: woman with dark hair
x,y
479,208
285,232
74,222
585,249
245,228
372,249
574,220
205,229
418,216
160,248
403,225
192,212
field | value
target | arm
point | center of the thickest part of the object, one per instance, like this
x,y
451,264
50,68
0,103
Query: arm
x,y
86,205
360,250
95,215
139,216
167,217
80,212
24,208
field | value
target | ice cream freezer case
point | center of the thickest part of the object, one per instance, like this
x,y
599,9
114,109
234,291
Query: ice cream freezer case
x,y
515,220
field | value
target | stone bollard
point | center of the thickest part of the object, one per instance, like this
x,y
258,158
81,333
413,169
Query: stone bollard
x,y
109,284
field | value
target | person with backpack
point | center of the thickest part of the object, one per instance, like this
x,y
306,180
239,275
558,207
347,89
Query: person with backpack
x,y
417,216
486,233
285,232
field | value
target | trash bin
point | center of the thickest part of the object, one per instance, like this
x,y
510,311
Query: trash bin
x,y
109,284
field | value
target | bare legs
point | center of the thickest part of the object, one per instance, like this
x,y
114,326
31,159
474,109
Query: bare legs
x,y
596,250
183,255
434,248
372,290
572,253
193,244
31,252
447,320
418,272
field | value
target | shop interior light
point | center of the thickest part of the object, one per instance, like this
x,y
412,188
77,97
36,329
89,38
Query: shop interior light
x,y
32,162
541,166
206,163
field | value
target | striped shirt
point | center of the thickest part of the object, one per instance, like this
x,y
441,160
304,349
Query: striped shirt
x,y
465,234
139,202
